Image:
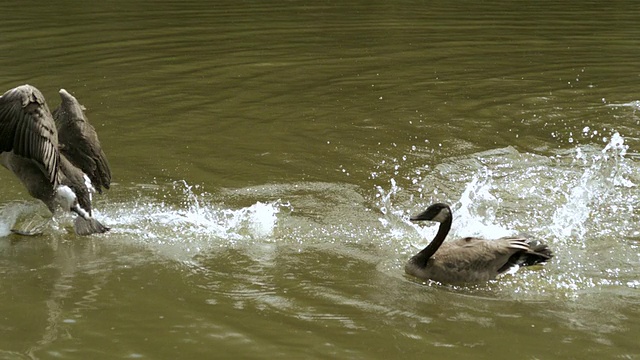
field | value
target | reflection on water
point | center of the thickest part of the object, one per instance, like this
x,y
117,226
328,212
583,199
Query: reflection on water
x,y
267,157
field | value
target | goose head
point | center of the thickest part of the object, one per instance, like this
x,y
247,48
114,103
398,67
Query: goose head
x,y
437,212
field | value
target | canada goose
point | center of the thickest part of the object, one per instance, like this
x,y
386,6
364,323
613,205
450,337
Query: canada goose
x,y
469,260
59,161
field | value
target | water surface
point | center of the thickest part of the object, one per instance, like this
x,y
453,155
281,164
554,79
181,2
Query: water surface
x,y
266,157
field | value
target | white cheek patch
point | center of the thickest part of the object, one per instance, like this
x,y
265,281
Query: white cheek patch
x,y
442,215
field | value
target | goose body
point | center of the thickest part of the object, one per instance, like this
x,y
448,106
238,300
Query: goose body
x,y
469,260
60,160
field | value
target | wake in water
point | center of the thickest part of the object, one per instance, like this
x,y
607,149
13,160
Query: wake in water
x,y
175,219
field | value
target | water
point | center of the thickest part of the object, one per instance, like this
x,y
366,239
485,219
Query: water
x,y
267,157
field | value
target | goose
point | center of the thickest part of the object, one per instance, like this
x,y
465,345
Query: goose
x,y
57,157
469,260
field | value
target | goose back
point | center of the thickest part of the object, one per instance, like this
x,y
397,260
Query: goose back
x,y
470,260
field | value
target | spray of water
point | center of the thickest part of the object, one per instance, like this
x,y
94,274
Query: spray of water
x,y
191,222
602,173
580,201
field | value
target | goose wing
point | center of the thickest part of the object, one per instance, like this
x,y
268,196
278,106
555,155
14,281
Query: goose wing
x,y
474,259
79,141
28,129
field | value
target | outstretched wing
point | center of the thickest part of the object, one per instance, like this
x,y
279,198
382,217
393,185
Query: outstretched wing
x,y
28,129
79,142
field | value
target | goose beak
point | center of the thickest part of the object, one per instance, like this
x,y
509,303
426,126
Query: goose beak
x,y
436,212
420,217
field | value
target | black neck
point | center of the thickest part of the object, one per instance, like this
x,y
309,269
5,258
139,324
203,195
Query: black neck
x,y
423,256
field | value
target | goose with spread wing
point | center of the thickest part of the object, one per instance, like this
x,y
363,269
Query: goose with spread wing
x,y
58,157
469,260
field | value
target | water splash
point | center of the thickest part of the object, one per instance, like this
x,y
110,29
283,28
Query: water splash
x,y
392,216
479,220
187,222
602,174
581,201
472,215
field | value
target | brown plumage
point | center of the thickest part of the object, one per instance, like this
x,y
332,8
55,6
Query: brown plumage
x,y
469,260
27,129
79,142
30,147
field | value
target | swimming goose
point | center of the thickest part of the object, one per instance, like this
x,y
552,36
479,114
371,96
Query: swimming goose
x,y
60,161
469,260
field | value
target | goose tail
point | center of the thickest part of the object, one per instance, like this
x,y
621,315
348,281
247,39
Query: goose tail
x,y
88,226
537,253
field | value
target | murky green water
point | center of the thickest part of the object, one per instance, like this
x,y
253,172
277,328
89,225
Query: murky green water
x,y
266,156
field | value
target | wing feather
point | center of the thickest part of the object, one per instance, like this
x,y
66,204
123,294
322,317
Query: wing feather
x,y
470,258
79,141
27,128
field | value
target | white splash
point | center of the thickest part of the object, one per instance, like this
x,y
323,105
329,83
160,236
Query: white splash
x,y
473,216
263,219
603,172
191,223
